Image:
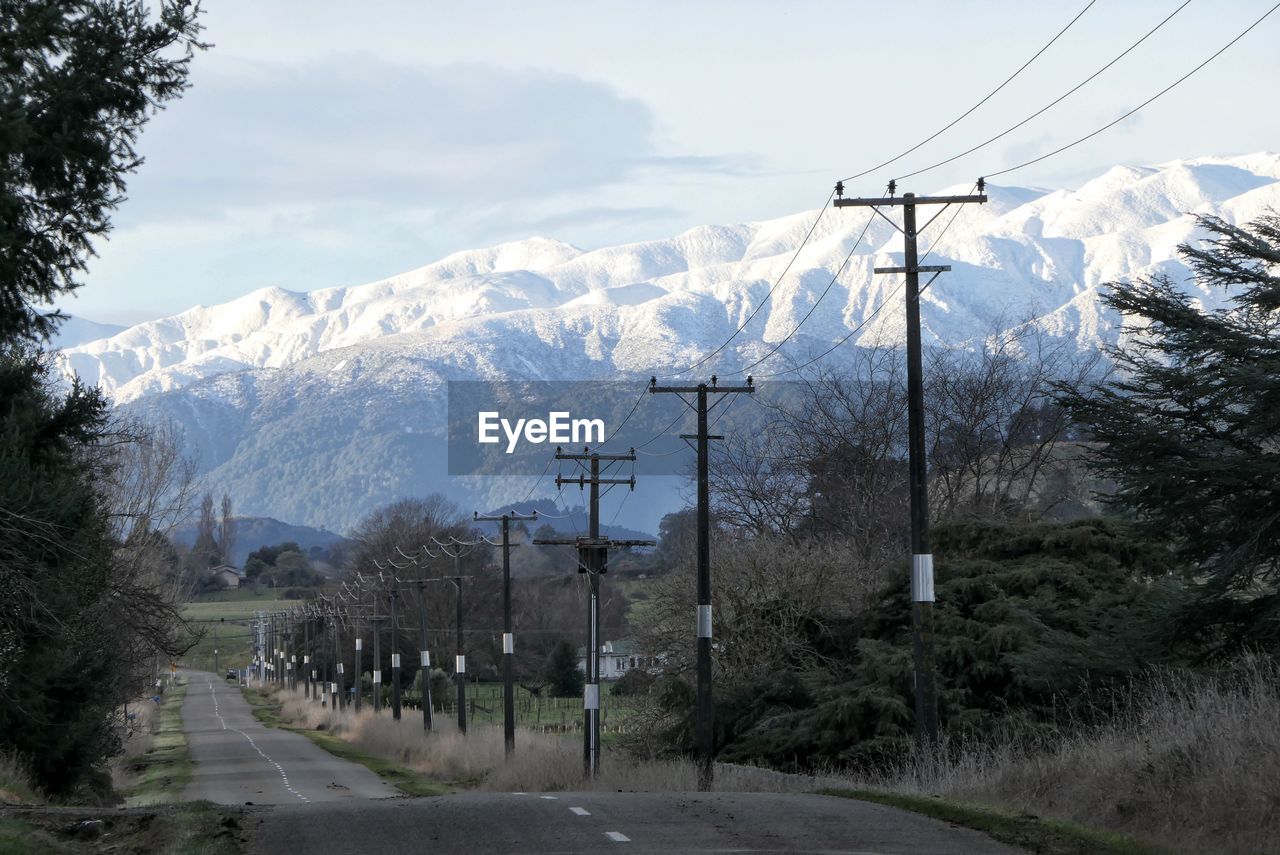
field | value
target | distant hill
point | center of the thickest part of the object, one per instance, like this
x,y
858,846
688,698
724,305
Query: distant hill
x,y
320,406
255,532
568,522
77,331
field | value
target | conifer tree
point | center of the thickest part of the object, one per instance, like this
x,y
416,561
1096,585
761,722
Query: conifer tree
x,y
78,80
1189,426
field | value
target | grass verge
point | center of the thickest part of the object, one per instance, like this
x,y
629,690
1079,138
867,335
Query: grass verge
x,y
195,828
266,709
159,776
1033,833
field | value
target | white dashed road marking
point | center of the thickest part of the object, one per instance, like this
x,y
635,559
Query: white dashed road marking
x,y
551,798
617,837
284,777
580,811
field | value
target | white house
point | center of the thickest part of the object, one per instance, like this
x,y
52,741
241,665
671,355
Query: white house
x,y
225,576
619,657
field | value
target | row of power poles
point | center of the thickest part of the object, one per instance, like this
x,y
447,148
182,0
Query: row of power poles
x,y
593,562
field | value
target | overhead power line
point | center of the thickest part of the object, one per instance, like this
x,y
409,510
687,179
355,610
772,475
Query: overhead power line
x,y
816,302
874,312
984,100
1051,104
774,287
1117,121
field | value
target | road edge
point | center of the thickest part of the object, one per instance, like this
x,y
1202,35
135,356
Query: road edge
x,y
1033,833
266,709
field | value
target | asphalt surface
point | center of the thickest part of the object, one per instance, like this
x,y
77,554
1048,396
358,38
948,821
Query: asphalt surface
x,y
629,823
238,760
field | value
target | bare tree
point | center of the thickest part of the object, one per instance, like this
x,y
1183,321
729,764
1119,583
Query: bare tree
x,y
994,432
146,483
771,593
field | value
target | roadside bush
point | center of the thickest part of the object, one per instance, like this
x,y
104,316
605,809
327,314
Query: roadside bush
x,y
1030,622
635,682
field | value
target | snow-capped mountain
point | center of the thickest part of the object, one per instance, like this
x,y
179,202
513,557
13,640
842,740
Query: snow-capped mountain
x,y
317,406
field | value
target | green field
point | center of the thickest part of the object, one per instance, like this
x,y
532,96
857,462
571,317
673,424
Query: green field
x,y
484,705
226,618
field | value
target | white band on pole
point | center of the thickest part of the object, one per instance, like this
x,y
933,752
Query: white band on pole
x,y
704,621
288,667
306,660
359,646
460,664
333,688
922,578
339,667
293,658
425,659
377,675
313,673
591,696
508,643
395,660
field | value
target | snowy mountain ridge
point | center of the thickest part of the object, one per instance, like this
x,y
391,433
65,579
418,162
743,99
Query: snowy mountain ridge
x,y
261,382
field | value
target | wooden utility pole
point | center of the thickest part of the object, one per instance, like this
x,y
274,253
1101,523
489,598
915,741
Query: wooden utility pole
x,y
424,654
921,554
459,549
306,652
704,733
393,592
593,554
508,637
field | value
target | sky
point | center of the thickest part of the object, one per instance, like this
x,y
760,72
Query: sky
x,y
325,144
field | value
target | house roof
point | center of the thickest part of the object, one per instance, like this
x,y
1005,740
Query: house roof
x,y
621,647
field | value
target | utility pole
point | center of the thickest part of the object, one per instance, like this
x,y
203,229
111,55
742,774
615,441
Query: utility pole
x,y
424,654
921,553
359,678
393,593
355,595
340,688
215,649
704,733
460,548
593,551
508,638
306,652
376,623
460,658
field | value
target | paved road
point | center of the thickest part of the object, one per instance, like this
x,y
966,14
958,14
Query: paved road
x,y
630,823
238,760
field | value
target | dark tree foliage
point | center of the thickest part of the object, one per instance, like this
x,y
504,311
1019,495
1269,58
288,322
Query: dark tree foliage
x,y
1189,429
60,641
564,678
1030,619
78,79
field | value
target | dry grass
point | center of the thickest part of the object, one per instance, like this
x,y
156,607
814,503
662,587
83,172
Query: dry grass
x,y
15,783
542,762
1189,764
138,741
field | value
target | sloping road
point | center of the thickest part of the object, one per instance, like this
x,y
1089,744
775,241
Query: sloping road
x,y
628,823
238,760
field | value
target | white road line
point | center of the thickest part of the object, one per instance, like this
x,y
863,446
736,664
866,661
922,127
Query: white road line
x,y
617,837
551,798
225,726
580,811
